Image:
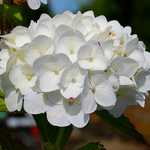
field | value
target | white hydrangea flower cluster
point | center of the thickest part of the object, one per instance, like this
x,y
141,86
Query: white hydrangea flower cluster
x,y
70,65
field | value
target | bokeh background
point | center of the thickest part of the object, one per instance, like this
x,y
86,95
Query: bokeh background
x,y
135,13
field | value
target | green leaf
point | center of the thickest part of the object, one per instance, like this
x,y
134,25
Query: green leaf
x,y
2,105
122,124
2,102
93,146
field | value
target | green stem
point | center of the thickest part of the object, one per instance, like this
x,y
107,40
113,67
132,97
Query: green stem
x,y
53,138
63,136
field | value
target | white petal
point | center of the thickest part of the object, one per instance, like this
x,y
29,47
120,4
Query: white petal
x,y
147,60
114,80
11,101
132,44
127,95
72,81
63,19
89,13
125,81
44,16
140,99
124,66
54,63
97,78
80,120
42,44
20,73
49,81
116,28
102,21
34,103
72,91
108,48
34,4
92,57
57,116
60,31
18,37
69,45
128,30
142,80
42,29
138,56
88,102
119,109
4,57
105,95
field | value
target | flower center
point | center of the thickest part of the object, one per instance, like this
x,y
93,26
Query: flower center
x,y
73,80
91,59
71,101
71,51
120,53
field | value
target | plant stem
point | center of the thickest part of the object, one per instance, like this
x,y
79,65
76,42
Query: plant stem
x,y
53,138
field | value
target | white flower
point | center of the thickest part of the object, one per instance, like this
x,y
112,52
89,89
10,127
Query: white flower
x,y
72,81
4,57
13,98
39,46
142,80
22,77
35,4
85,24
18,37
123,66
91,56
146,64
63,112
70,65
49,69
63,19
44,26
69,44
101,90
126,96
34,103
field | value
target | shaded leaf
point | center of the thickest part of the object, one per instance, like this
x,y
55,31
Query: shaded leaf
x,y
93,146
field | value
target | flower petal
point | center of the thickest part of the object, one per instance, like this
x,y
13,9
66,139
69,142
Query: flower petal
x,y
34,103
72,81
4,57
124,66
80,120
34,4
57,116
88,103
12,101
105,95
142,80
54,63
69,44
91,57
49,82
